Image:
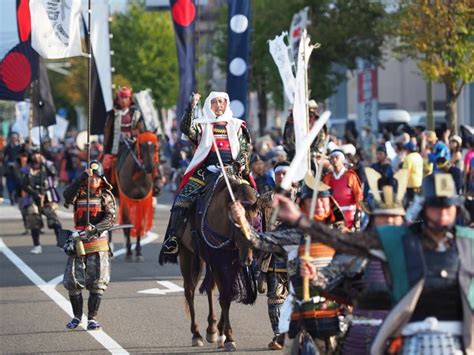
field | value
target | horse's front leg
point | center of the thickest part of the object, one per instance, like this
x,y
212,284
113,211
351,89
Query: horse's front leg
x,y
211,331
138,250
190,282
229,343
128,245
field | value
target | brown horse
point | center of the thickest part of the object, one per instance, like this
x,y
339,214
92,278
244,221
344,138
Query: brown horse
x,y
211,239
134,176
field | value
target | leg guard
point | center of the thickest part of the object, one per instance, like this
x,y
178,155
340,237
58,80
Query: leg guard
x,y
77,305
35,234
93,305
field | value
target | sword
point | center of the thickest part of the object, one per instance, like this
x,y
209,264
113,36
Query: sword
x,y
242,222
120,226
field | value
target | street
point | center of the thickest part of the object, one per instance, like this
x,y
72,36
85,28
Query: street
x,y
143,310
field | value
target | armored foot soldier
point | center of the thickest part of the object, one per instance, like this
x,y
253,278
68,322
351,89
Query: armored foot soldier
x,y
233,142
362,280
89,266
430,269
320,316
37,181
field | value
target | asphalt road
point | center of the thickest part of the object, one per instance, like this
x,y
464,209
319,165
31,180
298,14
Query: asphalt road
x,y
143,310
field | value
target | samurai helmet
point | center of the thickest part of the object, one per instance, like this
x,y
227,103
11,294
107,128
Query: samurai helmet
x,y
124,91
439,190
387,193
96,168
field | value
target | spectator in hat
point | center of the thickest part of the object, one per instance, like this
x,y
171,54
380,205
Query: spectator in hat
x,y
263,179
437,149
455,144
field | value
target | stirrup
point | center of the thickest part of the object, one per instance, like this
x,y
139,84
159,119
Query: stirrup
x,y
92,324
171,246
74,323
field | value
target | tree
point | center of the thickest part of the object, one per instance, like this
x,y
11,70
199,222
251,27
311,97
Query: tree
x,y
346,29
145,52
439,34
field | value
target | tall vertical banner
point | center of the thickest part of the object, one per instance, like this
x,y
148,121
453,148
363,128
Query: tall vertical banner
x,y
44,112
238,56
18,60
280,52
298,24
55,28
367,96
183,13
101,78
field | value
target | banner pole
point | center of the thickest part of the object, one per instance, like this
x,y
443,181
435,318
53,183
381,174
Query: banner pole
x,y
89,113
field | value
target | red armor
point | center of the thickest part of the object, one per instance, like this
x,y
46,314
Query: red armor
x,y
126,124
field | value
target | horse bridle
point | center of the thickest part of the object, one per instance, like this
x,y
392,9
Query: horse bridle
x,y
140,165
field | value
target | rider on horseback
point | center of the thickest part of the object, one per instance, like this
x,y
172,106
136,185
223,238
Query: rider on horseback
x,y
124,122
233,141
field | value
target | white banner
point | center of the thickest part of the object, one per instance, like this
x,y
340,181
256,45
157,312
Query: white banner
x,y
22,114
59,130
150,114
300,105
101,45
280,52
55,28
298,24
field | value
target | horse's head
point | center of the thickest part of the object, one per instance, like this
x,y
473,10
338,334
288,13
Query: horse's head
x,y
148,150
248,198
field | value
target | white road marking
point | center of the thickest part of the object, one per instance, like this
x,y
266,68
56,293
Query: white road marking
x,y
49,289
169,287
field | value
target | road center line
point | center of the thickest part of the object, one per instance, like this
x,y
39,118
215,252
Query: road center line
x,y
49,289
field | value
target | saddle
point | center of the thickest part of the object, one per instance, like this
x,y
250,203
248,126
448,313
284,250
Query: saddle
x,y
213,239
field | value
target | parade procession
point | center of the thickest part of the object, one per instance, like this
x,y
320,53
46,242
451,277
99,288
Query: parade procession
x,y
249,176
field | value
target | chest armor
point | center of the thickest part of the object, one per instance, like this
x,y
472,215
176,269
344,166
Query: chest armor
x,y
96,212
341,191
372,290
222,141
126,123
38,178
441,297
321,255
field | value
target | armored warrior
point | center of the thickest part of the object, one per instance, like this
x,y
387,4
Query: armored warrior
x,y
39,196
429,266
289,132
346,186
122,125
88,265
363,280
320,316
233,142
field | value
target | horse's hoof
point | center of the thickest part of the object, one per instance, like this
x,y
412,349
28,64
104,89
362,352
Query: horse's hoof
x,y
211,337
139,259
220,341
197,342
128,258
230,346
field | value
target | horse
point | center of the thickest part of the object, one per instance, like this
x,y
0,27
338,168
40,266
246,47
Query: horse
x,y
213,242
134,170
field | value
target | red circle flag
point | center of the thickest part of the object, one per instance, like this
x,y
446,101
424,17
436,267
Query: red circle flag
x,y
16,71
183,12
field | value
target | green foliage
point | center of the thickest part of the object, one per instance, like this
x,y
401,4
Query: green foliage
x,y
145,53
439,35
346,29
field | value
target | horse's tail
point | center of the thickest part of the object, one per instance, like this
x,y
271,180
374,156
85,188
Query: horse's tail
x,y
245,286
